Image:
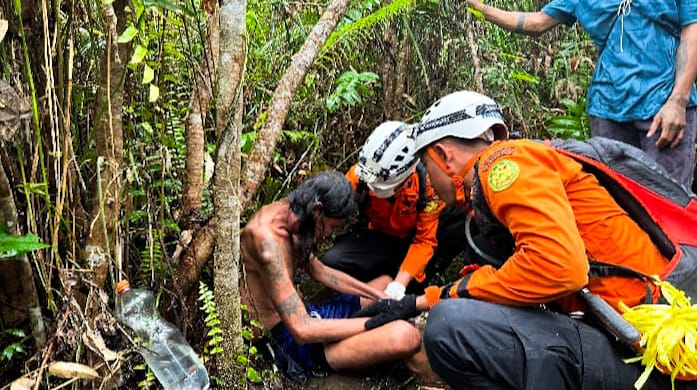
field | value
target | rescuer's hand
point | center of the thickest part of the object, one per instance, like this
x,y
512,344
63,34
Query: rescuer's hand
x,y
387,310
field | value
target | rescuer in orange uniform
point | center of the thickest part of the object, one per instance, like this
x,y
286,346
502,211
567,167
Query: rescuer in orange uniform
x,y
404,216
493,329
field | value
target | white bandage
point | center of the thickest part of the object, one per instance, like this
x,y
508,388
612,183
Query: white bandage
x,y
395,290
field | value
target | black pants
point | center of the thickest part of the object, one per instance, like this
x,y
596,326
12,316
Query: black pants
x,y
366,254
479,345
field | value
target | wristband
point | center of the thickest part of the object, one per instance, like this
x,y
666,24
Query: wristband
x,y
432,294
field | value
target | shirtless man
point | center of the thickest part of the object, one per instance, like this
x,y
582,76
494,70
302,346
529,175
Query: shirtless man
x,y
278,240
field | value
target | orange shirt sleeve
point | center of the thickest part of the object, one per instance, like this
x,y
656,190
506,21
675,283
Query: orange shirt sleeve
x,y
524,188
424,243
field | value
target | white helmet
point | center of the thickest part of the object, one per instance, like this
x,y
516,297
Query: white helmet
x,y
461,114
387,158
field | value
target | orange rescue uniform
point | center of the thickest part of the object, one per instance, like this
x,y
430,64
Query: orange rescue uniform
x,y
560,216
399,217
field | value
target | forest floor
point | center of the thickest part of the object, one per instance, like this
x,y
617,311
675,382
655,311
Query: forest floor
x,y
385,377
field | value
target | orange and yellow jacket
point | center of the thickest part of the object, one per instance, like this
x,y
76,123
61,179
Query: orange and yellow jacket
x,y
399,217
559,216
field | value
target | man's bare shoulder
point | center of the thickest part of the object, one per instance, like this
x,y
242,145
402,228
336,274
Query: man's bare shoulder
x,y
272,217
271,222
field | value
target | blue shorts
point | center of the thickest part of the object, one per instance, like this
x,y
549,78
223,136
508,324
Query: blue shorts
x,y
311,356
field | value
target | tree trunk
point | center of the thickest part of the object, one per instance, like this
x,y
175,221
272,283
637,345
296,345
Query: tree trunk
x,y
195,243
16,277
226,194
195,139
106,205
395,74
263,147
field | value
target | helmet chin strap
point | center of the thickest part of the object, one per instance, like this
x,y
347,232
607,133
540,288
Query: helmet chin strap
x,y
458,179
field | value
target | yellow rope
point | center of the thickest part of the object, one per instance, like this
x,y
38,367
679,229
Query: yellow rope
x,y
669,335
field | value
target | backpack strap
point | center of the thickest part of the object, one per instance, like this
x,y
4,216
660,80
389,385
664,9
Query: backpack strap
x,y
423,198
599,269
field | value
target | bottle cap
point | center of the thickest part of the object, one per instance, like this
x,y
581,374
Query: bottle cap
x,y
122,286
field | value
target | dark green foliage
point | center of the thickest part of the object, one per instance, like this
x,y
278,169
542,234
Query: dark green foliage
x,y
575,124
350,89
16,347
11,245
214,336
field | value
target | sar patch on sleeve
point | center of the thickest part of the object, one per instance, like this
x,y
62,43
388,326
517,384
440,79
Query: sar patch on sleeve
x,y
503,174
431,207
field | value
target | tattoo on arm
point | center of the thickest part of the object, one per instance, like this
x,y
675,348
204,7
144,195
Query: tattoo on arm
x,y
681,61
521,23
333,280
290,305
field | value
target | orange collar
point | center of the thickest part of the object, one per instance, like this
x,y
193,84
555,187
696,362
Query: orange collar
x,y
457,179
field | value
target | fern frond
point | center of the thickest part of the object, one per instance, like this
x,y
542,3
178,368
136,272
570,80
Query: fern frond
x,y
214,334
367,22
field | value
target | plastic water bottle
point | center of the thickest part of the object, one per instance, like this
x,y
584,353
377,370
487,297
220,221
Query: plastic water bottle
x,y
169,356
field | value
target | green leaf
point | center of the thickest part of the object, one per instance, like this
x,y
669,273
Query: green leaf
x,y
253,375
242,359
146,126
11,245
154,93
128,34
213,322
138,54
148,74
12,350
15,332
524,76
350,88
567,122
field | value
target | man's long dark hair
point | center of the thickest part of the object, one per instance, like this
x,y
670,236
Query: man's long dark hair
x,y
328,192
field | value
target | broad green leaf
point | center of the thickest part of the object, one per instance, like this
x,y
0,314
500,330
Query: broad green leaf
x,y
138,54
128,34
253,375
154,93
11,351
11,245
146,126
566,121
148,74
